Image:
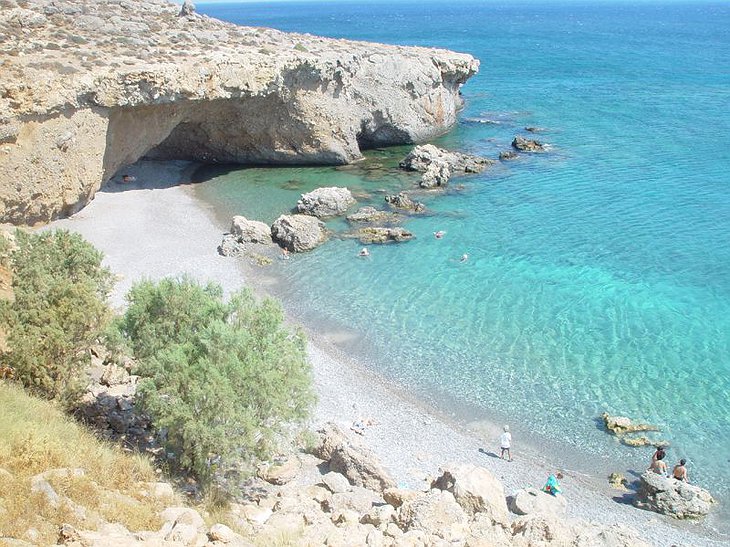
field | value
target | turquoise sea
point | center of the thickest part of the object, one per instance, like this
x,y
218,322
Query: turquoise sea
x,y
599,273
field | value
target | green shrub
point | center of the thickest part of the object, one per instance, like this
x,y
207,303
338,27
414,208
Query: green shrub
x,y
225,380
59,310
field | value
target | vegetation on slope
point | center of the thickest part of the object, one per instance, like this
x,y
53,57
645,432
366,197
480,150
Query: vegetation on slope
x,y
59,311
35,437
224,380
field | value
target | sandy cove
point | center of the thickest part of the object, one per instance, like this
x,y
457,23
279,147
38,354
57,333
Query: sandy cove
x,y
155,227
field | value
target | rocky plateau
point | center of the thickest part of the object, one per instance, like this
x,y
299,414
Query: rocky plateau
x,y
89,87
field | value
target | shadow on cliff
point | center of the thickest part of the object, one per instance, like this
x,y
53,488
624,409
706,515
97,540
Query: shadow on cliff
x,y
159,175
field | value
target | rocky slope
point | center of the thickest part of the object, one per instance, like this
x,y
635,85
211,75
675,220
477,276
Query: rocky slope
x,y
87,87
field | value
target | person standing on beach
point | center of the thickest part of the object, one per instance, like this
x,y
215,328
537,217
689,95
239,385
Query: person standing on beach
x,y
505,443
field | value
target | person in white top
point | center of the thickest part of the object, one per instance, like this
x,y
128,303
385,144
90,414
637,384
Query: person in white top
x,y
505,442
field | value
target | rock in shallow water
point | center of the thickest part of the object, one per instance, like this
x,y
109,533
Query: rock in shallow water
x,y
298,233
377,234
528,145
402,201
325,202
374,216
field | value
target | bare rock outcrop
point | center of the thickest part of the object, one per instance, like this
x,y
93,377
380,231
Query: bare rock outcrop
x,y
403,202
671,497
88,87
372,215
298,233
528,145
380,234
437,164
475,489
325,202
532,501
244,233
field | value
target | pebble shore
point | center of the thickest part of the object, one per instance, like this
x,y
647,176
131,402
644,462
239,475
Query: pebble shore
x,y
154,227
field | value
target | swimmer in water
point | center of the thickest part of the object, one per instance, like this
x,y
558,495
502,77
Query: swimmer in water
x,y
464,257
364,252
439,234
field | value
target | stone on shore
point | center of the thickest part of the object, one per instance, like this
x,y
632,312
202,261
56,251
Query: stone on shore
x,y
671,497
528,145
404,202
280,473
532,501
475,489
436,512
357,463
250,231
374,216
298,233
325,202
378,234
618,481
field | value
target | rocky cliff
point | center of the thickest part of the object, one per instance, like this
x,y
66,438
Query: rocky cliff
x,y
89,86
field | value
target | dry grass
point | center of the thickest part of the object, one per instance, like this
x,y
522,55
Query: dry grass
x,y
35,436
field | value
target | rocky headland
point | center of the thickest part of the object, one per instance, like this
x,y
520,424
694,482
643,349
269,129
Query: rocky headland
x,y
88,87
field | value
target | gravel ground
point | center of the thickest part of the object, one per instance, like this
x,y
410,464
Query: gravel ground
x,y
152,228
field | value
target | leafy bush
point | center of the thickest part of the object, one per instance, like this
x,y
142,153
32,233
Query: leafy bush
x,y
224,379
59,310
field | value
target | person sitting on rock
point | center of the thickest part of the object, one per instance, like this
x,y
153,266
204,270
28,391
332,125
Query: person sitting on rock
x,y
658,465
552,486
680,471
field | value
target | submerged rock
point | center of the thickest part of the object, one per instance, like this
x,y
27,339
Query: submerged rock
x,y
379,234
671,497
621,424
298,233
528,145
402,201
325,202
374,216
508,155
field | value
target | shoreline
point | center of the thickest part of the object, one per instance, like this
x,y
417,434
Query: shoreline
x,y
155,228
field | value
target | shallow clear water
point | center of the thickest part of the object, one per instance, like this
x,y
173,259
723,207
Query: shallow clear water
x,y
599,274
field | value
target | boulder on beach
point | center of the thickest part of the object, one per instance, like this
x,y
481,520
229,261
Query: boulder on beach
x,y
436,512
669,496
404,202
358,464
528,145
243,233
424,156
379,234
531,501
325,202
374,216
298,233
475,489
250,231
618,481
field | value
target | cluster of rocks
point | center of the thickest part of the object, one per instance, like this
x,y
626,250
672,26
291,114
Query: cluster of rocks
x,y
343,496
109,402
437,165
182,526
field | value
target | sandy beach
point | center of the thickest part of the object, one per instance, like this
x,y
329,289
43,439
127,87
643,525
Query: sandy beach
x,y
155,227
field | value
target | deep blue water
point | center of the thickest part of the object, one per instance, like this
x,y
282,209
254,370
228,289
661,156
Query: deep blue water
x,y
599,274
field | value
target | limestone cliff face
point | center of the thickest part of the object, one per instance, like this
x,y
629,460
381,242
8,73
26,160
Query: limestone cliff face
x,y
88,86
